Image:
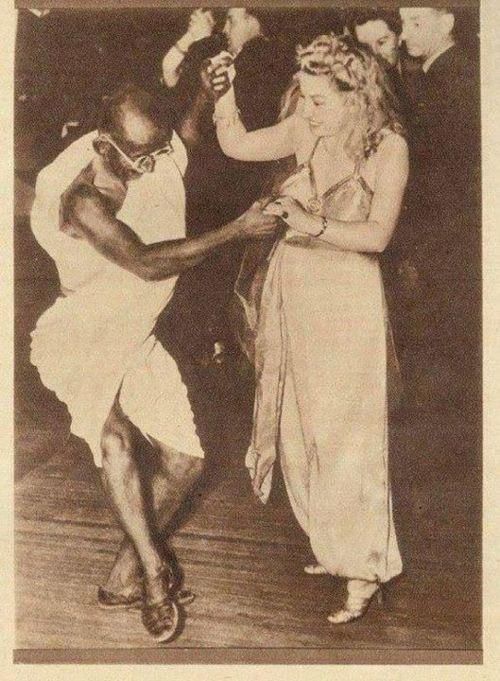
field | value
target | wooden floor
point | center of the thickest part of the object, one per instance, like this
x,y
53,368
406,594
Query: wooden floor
x,y
243,560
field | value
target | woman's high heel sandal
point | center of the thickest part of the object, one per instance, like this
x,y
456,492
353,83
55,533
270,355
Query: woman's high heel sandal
x,y
315,569
161,616
360,594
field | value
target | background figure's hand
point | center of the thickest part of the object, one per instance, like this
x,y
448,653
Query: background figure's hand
x,y
291,212
218,73
206,83
256,224
201,24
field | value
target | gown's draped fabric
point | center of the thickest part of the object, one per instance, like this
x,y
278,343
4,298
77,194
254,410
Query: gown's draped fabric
x,y
96,341
321,398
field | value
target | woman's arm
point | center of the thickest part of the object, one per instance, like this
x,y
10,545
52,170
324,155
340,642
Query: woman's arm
x,y
267,144
172,61
373,235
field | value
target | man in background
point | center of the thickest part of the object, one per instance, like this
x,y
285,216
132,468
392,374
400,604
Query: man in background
x,y
379,30
219,187
443,240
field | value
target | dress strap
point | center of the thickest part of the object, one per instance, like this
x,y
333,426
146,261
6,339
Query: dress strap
x,y
357,167
313,151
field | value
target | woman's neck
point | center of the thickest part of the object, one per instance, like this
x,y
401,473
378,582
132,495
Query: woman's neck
x,y
335,144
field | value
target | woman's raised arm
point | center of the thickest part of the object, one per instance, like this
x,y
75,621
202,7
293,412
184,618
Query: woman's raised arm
x,y
266,144
367,236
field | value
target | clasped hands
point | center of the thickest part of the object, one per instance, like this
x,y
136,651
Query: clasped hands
x,y
217,74
255,223
268,217
292,213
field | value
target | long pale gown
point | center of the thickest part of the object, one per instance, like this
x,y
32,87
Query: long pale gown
x,y
96,341
321,398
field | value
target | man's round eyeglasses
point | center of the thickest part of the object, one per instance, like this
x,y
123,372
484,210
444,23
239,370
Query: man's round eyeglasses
x,y
141,164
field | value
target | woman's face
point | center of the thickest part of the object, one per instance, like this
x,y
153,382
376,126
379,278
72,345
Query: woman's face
x,y
322,104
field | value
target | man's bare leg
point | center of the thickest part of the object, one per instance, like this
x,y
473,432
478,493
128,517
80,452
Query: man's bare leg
x,y
122,481
176,476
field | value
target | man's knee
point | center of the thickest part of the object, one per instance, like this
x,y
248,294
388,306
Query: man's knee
x,y
181,467
116,448
187,473
197,466
187,467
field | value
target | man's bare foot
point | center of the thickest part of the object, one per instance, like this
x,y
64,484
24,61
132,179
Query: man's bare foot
x,y
160,613
130,597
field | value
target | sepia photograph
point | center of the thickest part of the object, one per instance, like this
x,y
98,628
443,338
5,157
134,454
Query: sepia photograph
x,y
248,412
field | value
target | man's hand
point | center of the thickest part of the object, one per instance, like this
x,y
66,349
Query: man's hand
x,y
201,24
217,74
205,76
256,224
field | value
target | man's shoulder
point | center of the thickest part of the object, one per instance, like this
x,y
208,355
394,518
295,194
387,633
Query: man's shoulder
x,y
454,63
455,79
261,54
255,46
81,196
57,176
204,49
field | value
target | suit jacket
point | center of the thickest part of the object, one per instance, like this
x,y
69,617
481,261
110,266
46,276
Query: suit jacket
x,y
445,132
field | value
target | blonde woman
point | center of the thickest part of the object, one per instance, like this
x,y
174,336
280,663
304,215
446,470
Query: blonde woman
x,y
321,345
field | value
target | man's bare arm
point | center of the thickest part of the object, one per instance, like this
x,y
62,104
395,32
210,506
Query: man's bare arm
x,y
92,216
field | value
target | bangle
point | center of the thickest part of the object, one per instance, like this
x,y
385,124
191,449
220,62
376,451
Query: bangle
x,y
324,225
183,52
228,117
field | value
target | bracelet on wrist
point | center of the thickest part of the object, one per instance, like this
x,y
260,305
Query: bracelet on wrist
x,y
227,117
324,225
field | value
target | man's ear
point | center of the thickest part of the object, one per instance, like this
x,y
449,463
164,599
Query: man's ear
x,y
447,22
254,23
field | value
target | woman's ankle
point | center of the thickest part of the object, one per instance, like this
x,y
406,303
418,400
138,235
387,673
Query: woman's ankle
x,y
358,590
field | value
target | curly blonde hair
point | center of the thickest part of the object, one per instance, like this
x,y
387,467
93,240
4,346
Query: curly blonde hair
x,y
356,71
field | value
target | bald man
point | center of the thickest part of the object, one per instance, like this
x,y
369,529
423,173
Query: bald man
x,y
110,212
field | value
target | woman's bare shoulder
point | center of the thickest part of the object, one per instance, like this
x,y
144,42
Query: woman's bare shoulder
x,y
392,142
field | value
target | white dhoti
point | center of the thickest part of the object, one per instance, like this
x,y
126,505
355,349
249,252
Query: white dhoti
x,y
96,342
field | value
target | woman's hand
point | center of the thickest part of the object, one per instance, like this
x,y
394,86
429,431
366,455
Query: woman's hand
x,y
201,24
291,212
